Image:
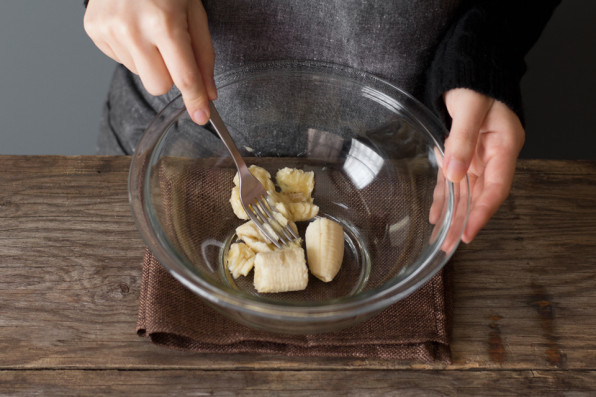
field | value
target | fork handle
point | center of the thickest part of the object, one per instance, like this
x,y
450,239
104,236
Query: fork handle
x,y
220,128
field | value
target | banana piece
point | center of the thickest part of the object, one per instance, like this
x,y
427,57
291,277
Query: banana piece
x,y
296,197
294,206
292,180
252,236
302,211
263,176
240,259
294,201
280,271
278,202
296,190
324,240
237,204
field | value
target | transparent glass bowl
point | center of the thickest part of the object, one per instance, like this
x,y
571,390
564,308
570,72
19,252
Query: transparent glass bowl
x,y
376,153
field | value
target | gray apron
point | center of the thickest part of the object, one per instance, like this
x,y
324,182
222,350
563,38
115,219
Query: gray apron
x,y
393,40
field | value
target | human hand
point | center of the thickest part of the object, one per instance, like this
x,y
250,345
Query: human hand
x,y
165,42
485,140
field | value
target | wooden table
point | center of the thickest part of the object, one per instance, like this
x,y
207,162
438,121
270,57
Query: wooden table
x,y
70,264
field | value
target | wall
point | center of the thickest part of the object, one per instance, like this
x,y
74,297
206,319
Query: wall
x,y
560,86
53,81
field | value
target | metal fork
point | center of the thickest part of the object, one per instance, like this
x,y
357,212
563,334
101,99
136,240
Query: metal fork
x,y
253,195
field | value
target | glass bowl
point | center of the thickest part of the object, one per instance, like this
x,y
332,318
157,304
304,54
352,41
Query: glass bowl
x,y
376,154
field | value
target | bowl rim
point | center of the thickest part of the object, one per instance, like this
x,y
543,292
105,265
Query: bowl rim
x,y
359,304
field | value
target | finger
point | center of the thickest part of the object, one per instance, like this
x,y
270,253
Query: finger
x,y
461,197
123,59
106,49
437,207
178,55
147,59
152,70
436,212
123,56
490,192
108,36
202,46
468,110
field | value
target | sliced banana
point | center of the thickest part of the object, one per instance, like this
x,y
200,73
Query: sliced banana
x,y
240,259
324,242
292,180
304,211
296,197
280,271
278,202
296,190
263,176
284,270
236,204
252,236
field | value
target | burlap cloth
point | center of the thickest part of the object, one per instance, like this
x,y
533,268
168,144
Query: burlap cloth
x,y
413,329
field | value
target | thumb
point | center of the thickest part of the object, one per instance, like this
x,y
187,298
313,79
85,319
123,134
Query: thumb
x,y
468,110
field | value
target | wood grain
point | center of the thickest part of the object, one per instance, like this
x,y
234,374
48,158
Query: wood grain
x,y
299,383
528,280
70,260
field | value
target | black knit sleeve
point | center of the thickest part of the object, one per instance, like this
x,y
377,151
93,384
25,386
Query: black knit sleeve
x,y
484,50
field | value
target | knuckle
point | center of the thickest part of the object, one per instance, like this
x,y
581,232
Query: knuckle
x,y
89,24
123,30
158,23
521,136
164,25
514,140
158,87
92,26
462,146
187,83
464,134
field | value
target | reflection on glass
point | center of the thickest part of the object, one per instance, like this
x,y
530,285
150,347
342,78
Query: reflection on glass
x,y
323,144
398,232
362,164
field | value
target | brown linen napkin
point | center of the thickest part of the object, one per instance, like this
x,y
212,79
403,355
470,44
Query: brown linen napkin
x,y
414,329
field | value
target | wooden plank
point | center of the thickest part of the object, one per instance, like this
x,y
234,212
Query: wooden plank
x,y
70,259
525,289
298,383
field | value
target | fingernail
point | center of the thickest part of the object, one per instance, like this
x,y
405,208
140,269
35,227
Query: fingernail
x,y
456,170
200,117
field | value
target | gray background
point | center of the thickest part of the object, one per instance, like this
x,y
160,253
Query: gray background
x,y
53,81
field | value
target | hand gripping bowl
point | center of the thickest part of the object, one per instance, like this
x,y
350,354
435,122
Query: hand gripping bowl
x,y
376,154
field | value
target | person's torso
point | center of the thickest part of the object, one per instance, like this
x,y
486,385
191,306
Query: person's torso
x,y
393,40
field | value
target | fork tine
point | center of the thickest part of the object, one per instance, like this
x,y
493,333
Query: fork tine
x,y
286,230
286,238
271,221
259,218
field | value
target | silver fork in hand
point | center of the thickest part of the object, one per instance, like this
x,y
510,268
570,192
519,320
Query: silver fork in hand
x,y
253,195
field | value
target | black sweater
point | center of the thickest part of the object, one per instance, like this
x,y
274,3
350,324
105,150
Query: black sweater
x,y
484,50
